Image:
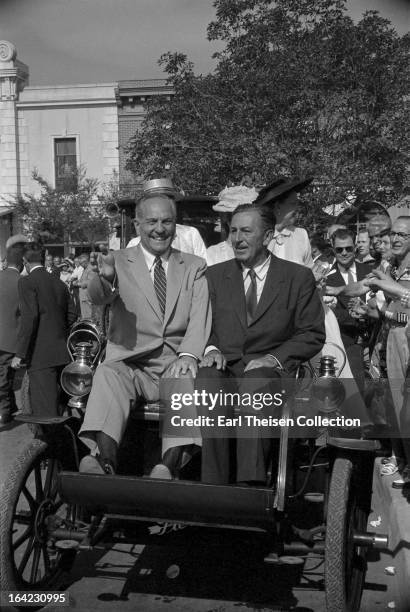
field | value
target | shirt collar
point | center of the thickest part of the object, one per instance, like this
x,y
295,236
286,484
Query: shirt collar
x,y
35,268
260,271
150,258
352,268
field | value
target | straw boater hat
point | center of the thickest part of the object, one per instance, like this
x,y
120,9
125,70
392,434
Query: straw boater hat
x,y
16,239
161,186
231,197
280,187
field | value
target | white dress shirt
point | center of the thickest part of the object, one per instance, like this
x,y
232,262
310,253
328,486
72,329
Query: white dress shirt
x,y
345,273
261,272
150,260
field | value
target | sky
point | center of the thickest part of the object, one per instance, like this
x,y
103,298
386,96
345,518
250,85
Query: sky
x,y
102,41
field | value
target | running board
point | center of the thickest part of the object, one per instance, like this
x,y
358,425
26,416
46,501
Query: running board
x,y
172,500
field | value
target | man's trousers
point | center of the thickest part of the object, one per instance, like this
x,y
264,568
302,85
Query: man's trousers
x,y
252,452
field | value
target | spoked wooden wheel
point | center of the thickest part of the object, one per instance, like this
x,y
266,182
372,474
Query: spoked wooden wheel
x,y
29,506
345,562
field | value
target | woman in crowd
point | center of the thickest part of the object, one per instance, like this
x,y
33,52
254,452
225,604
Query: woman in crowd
x,y
66,270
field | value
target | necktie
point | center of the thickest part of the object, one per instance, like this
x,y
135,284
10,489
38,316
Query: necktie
x,y
251,297
350,277
160,284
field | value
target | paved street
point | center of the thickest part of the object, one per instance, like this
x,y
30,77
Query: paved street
x,y
198,569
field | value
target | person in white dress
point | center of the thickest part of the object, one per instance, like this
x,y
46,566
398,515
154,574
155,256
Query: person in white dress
x,y
292,243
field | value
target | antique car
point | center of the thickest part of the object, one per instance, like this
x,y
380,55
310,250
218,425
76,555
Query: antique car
x,y
316,498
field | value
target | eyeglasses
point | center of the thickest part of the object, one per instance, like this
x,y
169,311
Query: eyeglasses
x,y
348,249
399,235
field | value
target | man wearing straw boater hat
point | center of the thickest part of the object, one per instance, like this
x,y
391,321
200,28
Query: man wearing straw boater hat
x,y
187,238
160,322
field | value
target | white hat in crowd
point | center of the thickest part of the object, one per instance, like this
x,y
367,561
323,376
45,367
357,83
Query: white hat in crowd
x,y
231,197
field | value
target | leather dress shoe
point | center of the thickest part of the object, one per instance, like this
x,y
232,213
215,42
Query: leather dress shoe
x,y
93,465
173,461
161,471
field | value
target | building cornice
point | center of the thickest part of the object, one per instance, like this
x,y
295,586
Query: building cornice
x,y
61,104
140,91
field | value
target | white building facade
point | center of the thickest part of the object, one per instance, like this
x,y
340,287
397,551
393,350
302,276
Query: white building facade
x,y
50,128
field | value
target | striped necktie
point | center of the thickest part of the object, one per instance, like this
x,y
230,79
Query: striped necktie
x,y
160,283
251,297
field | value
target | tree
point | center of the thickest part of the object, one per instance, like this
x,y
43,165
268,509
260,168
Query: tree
x,y
72,213
298,89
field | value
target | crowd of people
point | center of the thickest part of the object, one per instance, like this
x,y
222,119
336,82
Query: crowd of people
x,y
269,299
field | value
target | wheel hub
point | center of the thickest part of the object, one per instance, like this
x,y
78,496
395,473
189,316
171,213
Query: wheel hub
x,y
42,520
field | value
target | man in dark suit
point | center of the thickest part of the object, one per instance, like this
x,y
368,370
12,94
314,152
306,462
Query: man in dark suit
x,y
50,267
46,314
267,319
346,271
9,322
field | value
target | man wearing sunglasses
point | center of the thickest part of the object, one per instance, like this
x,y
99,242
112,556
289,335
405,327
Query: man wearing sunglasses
x,y
344,272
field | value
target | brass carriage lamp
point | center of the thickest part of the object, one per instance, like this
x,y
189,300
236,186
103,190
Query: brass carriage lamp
x,y
327,388
77,377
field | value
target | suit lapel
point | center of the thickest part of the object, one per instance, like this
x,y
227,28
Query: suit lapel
x,y
235,291
175,276
271,288
336,276
142,278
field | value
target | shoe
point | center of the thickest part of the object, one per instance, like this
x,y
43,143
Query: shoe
x,y
90,465
389,466
96,465
161,471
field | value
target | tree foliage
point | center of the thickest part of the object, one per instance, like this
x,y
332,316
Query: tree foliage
x,y
299,88
72,213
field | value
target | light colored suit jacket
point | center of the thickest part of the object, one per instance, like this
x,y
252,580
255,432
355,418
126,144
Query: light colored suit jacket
x,y
136,325
86,276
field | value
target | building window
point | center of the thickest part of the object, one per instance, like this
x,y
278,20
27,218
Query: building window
x,y
65,160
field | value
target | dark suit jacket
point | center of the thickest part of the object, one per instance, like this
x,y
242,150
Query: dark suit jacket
x,y
289,321
46,314
349,328
54,270
9,309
